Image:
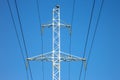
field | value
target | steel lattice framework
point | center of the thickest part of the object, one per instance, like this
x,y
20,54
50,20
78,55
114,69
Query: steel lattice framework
x,y
56,55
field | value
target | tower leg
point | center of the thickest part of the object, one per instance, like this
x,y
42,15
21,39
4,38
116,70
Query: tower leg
x,y
56,43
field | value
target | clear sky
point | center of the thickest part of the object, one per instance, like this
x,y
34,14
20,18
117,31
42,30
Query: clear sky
x,y
104,62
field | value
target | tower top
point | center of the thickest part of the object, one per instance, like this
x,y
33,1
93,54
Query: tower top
x,y
57,6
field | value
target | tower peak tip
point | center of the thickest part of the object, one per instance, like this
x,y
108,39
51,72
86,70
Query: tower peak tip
x,y
57,6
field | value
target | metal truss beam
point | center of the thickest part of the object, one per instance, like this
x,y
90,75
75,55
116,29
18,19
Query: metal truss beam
x,y
56,56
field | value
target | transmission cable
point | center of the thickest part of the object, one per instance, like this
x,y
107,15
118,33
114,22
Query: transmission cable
x,y
39,17
94,34
87,36
70,36
18,38
21,30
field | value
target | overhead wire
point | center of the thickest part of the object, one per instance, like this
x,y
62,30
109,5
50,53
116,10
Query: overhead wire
x,y
39,17
73,10
87,36
41,33
94,34
15,28
21,30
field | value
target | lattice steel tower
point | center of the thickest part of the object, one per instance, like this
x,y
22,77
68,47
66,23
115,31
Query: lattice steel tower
x,y
56,56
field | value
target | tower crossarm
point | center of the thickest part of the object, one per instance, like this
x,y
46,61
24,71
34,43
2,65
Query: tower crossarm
x,y
51,25
61,25
46,25
69,57
65,25
63,57
41,57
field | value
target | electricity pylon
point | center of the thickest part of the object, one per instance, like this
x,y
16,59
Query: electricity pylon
x,y
56,56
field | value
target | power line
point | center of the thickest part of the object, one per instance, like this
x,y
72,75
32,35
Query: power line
x,y
86,42
23,38
72,24
73,12
91,16
94,34
70,36
18,38
39,17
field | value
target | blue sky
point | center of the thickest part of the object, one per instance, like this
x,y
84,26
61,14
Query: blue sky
x,y
104,62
